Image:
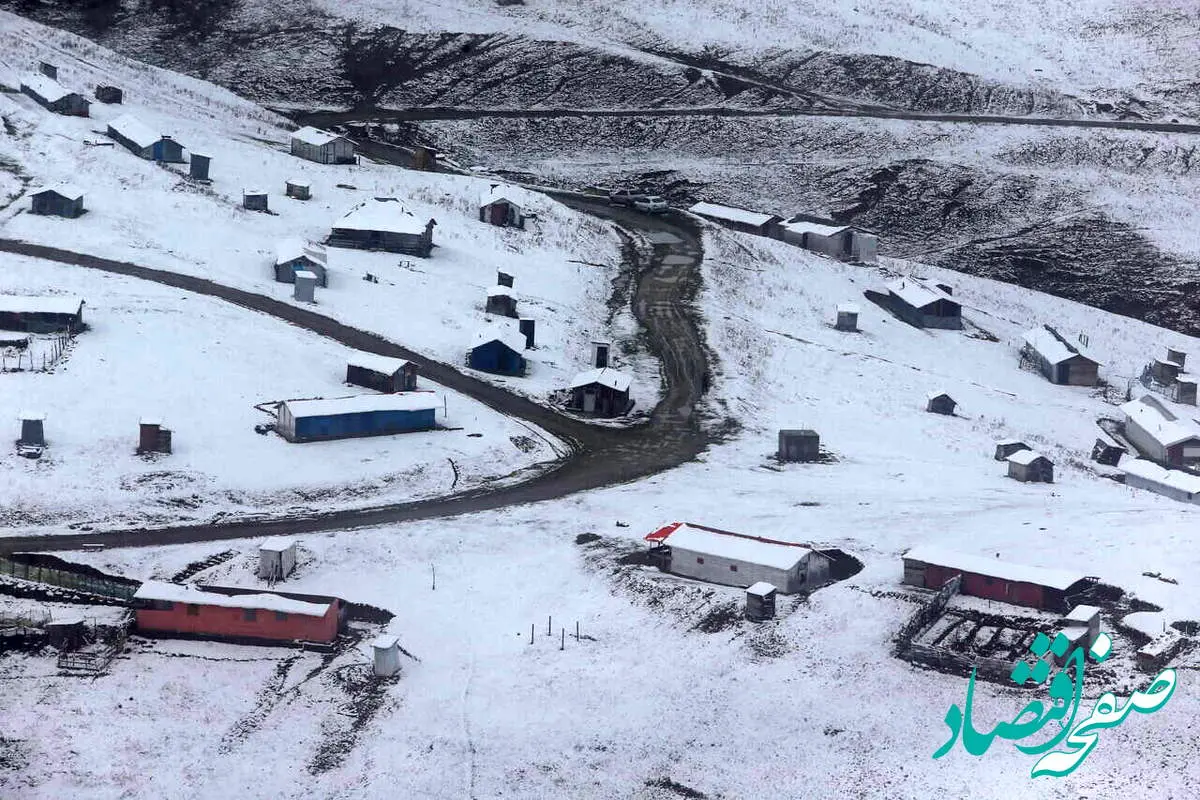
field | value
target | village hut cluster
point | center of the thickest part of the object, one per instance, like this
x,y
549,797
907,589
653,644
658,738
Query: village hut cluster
x,y
816,234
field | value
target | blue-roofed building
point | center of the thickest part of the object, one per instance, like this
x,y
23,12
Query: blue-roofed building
x,y
363,415
498,349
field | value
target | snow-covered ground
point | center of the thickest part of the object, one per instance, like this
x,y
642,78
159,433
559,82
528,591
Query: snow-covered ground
x,y
813,700
564,262
202,365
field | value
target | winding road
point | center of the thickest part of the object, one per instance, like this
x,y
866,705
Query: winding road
x,y
601,456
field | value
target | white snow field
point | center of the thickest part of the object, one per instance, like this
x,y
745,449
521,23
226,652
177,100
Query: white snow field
x,y
201,366
811,705
563,262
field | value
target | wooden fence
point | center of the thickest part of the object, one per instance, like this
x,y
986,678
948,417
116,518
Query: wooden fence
x,y
926,615
67,580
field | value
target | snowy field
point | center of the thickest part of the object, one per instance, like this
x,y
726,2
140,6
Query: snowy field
x,y
811,705
564,263
1076,46
202,366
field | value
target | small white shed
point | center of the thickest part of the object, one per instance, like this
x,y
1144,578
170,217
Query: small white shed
x,y
276,559
386,655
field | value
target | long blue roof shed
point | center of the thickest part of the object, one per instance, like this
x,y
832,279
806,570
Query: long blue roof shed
x,y
498,350
361,415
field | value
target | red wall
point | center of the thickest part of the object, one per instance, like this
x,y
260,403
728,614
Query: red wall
x,y
1017,593
231,622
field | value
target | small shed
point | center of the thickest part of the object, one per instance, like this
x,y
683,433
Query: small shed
x,y
141,140
498,349
41,314
842,242
1058,360
298,189
799,445
1036,587
847,317
1164,371
528,329
153,437
1183,391
940,403
739,219
504,278
33,431
362,415
603,392
1158,652
600,354
305,286
276,559
738,559
924,305
501,301
1087,618
501,205
51,95
381,373
760,602
64,200
321,146
385,655
254,200
109,94
198,166
295,255
1177,357
48,69
1107,451
1029,466
66,634
382,223
1006,448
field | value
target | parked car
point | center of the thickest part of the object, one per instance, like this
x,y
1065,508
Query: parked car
x,y
625,197
651,204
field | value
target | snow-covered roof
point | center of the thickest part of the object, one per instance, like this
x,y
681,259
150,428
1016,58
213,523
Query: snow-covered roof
x,y
150,421
1025,457
25,304
1158,423
814,227
67,190
1082,614
735,546
134,130
511,338
617,381
253,192
917,293
46,88
306,275
1002,442
315,136
731,214
937,394
511,194
31,415
848,308
297,182
1148,470
501,291
277,545
413,401
995,568
294,247
381,364
1185,377
761,589
180,593
381,214
385,641
1051,347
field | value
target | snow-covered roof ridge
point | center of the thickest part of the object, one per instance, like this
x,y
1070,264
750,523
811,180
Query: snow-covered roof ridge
x,y
848,308
993,567
381,214
938,393
376,363
731,214
1150,471
1025,457
1052,346
803,226
182,593
510,337
45,87
404,401
67,190
605,376
135,130
918,292
277,545
1156,420
294,247
727,544
315,136
506,191
40,304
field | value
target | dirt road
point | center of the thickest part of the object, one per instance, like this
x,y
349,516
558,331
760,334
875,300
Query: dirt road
x,y
666,282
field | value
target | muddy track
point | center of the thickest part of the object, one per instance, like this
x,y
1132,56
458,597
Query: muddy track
x,y
600,456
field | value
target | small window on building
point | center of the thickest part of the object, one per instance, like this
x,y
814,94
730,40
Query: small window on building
x,y
162,605
987,581
699,560
733,567
193,610
249,614
280,616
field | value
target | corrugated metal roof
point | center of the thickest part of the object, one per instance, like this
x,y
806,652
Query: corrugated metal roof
x,y
917,293
1025,457
24,304
512,338
1053,348
814,227
357,404
135,130
735,546
68,190
617,381
381,214
382,364
315,136
995,568
1152,417
731,214
46,88
179,593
